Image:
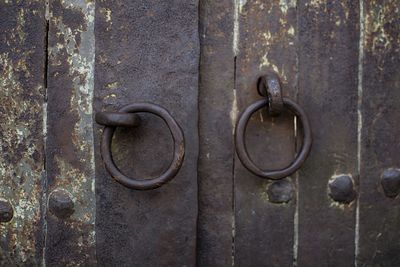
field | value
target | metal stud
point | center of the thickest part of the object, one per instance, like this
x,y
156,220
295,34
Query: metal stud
x,y
390,181
61,204
341,189
6,211
280,191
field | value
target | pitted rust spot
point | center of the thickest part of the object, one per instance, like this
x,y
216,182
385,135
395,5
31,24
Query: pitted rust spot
x,y
382,27
107,13
21,130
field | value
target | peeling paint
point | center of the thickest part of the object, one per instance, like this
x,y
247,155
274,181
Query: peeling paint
x,y
316,3
283,35
234,111
238,7
265,63
106,12
285,5
379,25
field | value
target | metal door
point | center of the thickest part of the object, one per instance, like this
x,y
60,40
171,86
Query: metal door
x,y
199,64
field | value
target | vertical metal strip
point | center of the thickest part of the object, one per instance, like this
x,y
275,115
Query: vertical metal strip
x,y
328,57
148,51
215,167
379,213
359,122
70,154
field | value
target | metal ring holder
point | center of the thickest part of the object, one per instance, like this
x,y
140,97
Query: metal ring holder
x,y
269,87
125,118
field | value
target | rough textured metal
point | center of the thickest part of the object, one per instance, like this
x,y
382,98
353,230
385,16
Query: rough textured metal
x,y
174,166
241,148
341,189
328,57
281,191
390,182
379,218
22,61
6,211
264,40
147,51
61,204
217,115
69,146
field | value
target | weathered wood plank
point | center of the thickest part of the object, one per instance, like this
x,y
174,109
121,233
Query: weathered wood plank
x,y
379,215
22,87
328,57
265,40
215,167
69,147
148,51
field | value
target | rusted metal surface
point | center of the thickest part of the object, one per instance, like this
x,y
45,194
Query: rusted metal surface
x,y
70,240
179,149
379,214
22,54
241,147
217,115
328,68
269,86
147,51
265,41
337,59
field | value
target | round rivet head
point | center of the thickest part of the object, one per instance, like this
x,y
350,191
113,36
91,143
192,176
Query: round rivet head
x,y
341,189
6,211
280,191
390,181
61,204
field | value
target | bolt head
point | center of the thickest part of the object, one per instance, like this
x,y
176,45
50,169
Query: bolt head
x,y
61,204
341,189
390,181
6,211
280,191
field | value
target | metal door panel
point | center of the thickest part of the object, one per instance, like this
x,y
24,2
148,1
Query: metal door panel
x,y
378,224
328,90
265,41
216,122
147,51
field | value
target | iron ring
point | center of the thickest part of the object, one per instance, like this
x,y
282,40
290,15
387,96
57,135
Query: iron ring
x,y
179,149
241,148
